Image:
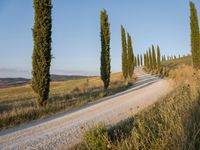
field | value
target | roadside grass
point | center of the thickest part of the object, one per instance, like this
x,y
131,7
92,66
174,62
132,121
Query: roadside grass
x,y
167,66
18,105
186,60
172,123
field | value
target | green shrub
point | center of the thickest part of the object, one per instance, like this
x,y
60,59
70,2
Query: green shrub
x,y
97,138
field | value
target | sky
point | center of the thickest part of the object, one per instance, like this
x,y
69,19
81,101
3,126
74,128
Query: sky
x,y
76,32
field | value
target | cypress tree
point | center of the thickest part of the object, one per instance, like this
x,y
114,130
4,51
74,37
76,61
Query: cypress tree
x,y
138,59
124,54
130,57
141,61
145,63
153,57
105,49
150,59
195,38
41,57
135,61
158,57
148,63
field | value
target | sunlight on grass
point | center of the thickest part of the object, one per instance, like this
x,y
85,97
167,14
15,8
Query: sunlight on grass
x,y
18,104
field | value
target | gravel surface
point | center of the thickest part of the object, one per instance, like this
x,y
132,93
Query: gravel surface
x,y
65,130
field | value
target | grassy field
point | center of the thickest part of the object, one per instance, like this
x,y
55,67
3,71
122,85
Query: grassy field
x,y
18,105
172,123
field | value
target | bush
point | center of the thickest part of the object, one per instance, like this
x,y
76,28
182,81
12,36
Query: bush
x,y
97,138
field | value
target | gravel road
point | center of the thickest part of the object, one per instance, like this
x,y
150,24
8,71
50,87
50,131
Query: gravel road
x,y
65,130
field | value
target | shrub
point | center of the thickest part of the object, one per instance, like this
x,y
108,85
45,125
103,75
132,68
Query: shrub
x,y
97,138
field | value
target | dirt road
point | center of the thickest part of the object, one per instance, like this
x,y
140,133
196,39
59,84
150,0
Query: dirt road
x,y
65,130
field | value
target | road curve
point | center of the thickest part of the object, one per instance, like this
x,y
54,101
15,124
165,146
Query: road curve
x,y
65,130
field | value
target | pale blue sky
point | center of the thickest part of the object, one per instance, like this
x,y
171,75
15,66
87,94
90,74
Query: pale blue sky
x,y
76,30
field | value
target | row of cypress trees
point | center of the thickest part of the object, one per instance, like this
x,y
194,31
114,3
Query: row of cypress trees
x,y
127,51
151,59
41,57
138,60
195,36
166,58
127,55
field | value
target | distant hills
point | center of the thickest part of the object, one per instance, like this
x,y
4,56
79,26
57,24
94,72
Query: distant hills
x,y
55,77
11,82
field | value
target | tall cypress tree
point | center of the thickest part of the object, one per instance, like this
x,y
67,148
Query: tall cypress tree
x,y
153,57
147,59
105,49
135,61
124,54
138,60
141,61
41,57
195,37
145,63
150,59
158,57
130,57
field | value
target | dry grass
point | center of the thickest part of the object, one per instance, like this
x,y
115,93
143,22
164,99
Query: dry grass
x,y
172,123
18,104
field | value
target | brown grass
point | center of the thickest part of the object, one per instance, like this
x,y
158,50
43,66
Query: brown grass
x,y
18,104
172,123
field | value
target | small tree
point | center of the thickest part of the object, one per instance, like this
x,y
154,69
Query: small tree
x,y
124,54
147,60
158,57
135,61
41,58
154,57
130,57
105,49
150,59
138,59
195,37
141,61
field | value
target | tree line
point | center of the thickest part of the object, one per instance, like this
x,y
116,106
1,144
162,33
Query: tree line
x,y
41,57
152,58
127,51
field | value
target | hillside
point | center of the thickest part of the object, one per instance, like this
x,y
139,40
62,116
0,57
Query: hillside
x,y
12,82
56,78
186,60
9,82
171,123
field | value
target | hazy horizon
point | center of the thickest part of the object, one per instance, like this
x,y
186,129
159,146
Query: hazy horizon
x,y
20,73
76,33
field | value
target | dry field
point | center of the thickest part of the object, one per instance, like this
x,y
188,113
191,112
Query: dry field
x,y
17,104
